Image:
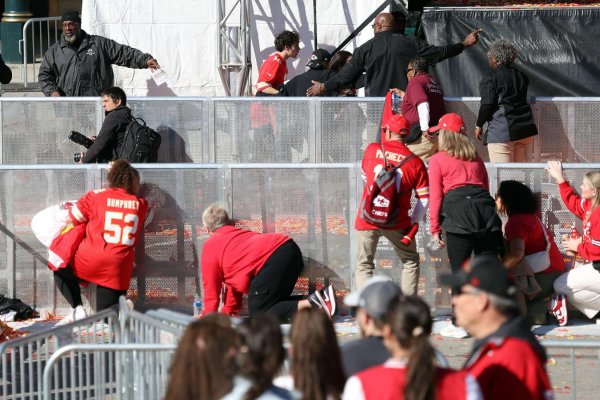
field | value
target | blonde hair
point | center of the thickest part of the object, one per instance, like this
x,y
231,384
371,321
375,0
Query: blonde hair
x,y
214,217
457,145
594,178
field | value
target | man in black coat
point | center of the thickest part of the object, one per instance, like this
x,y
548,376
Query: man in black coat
x,y
81,65
317,71
384,58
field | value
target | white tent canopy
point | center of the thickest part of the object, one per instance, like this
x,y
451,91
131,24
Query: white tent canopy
x,y
182,36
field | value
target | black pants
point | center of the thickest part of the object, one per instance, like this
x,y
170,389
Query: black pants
x,y
68,285
462,247
271,289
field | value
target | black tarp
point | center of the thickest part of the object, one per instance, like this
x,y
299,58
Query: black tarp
x,y
558,48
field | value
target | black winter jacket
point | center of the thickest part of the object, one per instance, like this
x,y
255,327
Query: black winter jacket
x,y
110,138
470,210
87,70
384,59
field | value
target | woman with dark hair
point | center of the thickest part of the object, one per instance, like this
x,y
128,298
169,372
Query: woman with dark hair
x,y
259,358
338,60
113,219
504,107
411,373
580,285
460,201
526,238
316,364
203,366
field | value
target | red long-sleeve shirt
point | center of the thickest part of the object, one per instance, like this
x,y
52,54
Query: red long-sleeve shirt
x,y
589,248
447,173
232,257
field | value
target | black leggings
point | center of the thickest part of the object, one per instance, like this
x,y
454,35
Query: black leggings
x,y
271,289
68,285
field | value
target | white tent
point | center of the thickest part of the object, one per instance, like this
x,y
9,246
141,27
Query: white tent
x,y
182,36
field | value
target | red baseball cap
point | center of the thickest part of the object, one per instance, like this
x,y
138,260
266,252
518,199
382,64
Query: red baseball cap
x,y
396,124
452,122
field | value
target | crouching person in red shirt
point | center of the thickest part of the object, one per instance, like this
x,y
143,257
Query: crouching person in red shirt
x,y
265,266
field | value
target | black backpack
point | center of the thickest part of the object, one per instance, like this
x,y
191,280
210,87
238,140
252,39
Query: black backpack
x,y
140,144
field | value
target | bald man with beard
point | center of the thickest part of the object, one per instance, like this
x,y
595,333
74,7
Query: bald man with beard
x,y
384,58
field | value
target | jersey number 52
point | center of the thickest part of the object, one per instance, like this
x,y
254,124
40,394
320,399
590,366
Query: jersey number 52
x,y
120,228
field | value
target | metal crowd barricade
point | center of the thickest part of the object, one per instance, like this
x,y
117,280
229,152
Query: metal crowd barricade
x,y
38,35
24,359
173,318
297,130
144,329
580,352
115,371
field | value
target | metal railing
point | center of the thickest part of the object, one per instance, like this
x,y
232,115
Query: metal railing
x,y
116,371
38,35
589,362
316,204
24,359
299,130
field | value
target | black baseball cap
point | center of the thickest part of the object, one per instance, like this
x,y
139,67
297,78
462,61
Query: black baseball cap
x,y
71,15
318,59
484,272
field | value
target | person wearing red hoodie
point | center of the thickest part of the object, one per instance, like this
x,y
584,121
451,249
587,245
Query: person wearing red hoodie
x,y
265,266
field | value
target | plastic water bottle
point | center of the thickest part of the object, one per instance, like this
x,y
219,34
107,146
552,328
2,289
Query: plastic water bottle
x,y
197,306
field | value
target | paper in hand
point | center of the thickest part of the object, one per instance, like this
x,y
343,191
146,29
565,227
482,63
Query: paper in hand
x,y
159,76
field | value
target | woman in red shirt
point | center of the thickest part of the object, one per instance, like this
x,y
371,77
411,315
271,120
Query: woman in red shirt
x,y
265,266
411,372
525,235
459,200
581,285
114,218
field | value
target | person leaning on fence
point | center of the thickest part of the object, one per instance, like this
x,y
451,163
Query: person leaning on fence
x,y
460,200
371,303
581,285
507,360
265,266
112,133
204,363
316,368
411,371
411,176
504,107
532,257
81,65
113,219
259,359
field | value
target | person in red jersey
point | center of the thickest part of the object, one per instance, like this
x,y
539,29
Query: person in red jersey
x,y
580,285
271,76
412,177
411,372
114,218
264,266
507,360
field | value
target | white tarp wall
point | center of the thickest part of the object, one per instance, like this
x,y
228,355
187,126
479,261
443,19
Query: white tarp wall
x,y
182,36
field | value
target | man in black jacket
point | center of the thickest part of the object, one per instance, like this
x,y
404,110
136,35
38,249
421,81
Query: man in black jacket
x,y
81,65
318,70
385,57
110,138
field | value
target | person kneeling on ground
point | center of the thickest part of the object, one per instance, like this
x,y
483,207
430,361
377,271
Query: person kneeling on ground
x,y
265,266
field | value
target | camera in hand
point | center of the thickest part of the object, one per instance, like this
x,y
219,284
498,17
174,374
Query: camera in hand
x,y
77,156
81,139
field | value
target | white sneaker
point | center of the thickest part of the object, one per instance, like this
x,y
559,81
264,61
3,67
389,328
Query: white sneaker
x,y
453,331
79,313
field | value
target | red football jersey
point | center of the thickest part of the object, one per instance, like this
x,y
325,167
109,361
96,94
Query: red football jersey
x,y
114,221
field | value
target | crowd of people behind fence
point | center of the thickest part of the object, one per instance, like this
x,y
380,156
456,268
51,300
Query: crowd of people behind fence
x,y
503,279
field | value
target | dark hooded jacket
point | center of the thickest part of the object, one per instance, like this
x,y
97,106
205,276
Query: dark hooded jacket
x,y
87,70
110,138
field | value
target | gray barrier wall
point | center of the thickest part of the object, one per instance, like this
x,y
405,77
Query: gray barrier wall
x,y
314,203
221,130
